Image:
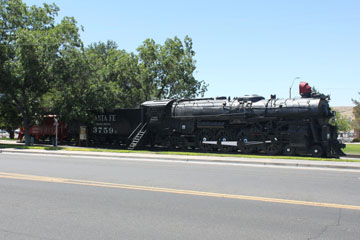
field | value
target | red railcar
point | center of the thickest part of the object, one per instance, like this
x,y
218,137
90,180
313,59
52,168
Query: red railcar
x,y
46,130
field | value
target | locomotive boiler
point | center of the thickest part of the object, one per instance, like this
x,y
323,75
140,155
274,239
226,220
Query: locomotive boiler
x,y
246,124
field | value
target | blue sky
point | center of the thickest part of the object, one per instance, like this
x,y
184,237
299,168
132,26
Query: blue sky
x,y
242,47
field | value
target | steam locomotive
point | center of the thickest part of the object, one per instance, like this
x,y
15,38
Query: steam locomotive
x,y
248,124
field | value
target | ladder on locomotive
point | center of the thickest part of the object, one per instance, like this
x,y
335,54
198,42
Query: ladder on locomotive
x,y
139,135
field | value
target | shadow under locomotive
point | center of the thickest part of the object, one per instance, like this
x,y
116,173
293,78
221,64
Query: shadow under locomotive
x,y
249,124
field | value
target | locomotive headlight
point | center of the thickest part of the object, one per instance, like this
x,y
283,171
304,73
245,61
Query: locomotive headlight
x,y
328,136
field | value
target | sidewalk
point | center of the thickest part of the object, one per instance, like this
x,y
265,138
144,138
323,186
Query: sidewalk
x,y
198,159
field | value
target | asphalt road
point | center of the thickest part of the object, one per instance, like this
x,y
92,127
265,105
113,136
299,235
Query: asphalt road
x,y
54,197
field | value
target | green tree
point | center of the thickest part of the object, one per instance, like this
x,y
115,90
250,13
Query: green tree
x,y
98,78
71,96
148,55
167,71
343,123
32,45
9,116
117,72
314,90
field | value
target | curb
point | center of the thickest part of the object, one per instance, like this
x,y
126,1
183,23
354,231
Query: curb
x,y
200,159
353,156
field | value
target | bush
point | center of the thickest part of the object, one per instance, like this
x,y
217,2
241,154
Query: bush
x,y
356,140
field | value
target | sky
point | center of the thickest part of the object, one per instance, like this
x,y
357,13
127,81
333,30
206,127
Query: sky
x,y
242,47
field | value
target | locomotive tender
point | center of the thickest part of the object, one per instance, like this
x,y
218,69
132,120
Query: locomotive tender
x,y
113,128
246,124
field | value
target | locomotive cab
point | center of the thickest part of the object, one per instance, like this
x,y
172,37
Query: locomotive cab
x,y
155,112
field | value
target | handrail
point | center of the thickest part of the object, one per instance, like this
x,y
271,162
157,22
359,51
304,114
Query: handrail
x,y
135,131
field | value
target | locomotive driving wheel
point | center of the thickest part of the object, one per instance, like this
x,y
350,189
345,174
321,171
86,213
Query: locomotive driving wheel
x,y
273,149
183,143
223,136
317,151
246,149
174,140
206,135
289,151
242,139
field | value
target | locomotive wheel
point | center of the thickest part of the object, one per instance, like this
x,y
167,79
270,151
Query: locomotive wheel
x,y
316,151
247,149
183,144
173,142
289,151
240,135
272,149
242,139
206,135
177,143
223,135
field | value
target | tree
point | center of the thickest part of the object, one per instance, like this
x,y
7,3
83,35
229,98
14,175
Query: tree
x,y
32,45
342,123
148,55
117,72
99,77
167,70
73,94
314,90
9,116
45,68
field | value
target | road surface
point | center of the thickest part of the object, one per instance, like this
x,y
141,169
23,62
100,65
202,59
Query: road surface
x,y
64,197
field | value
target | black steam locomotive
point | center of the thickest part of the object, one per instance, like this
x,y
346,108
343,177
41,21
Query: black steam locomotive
x,y
249,124
246,124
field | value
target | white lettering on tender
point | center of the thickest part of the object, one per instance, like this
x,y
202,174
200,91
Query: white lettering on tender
x,y
106,118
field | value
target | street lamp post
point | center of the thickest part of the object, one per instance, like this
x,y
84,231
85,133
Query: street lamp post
x,y
56,131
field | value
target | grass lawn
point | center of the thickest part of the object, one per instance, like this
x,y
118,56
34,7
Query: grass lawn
x,y
352,149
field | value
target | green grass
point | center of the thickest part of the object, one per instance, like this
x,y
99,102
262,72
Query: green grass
x,y
3,138
349,147
352,149
17,146
257,156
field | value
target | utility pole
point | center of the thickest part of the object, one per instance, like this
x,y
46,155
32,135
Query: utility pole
x,y
292,85
56,132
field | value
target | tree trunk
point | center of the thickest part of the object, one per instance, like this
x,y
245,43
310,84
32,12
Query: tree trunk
x,y
11,132
26,129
